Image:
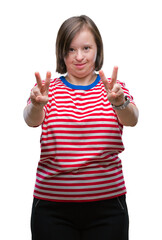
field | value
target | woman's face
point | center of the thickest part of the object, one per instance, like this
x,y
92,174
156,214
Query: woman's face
x,y
81,58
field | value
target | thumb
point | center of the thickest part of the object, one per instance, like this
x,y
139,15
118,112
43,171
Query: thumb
x,y
43,100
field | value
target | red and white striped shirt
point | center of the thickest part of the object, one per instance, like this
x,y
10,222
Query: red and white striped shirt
x,y
80,142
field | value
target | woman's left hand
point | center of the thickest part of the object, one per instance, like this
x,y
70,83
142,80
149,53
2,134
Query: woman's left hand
x,y
115,93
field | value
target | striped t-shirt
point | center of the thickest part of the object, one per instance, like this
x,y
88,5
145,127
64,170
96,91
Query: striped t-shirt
x,y
80,142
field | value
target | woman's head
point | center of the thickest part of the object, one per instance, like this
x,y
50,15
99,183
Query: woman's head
x,y
66,34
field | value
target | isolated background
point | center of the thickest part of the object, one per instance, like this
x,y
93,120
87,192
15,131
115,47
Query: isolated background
x,y
131,32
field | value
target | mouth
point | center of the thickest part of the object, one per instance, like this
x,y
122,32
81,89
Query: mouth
x,y
80,65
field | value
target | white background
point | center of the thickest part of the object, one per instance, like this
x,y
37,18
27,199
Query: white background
x,y
131,32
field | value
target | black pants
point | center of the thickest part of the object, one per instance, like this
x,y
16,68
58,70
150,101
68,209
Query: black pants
x,y
100,220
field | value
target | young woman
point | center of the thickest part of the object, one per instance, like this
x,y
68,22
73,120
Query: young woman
x,y
80,191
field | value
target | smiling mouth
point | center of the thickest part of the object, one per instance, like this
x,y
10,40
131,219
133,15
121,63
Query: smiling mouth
x,y
80,65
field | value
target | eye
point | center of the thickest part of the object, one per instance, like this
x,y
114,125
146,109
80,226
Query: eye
x,y
86,48
71,50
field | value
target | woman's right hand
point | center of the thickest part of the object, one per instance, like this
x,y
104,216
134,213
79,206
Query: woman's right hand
x,y
39,94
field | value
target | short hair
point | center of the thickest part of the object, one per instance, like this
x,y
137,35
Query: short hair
x,y
67,32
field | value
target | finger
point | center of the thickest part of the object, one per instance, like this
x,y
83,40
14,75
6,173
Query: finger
x,y
38,79
36,91
117,97
47,81
42,99
32,95
116,88
117,91
104,80
114,77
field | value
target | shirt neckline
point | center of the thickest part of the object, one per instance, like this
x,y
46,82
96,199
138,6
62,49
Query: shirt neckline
x,y
80,87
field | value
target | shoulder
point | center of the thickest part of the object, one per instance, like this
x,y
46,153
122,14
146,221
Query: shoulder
x,y
121,83
55,82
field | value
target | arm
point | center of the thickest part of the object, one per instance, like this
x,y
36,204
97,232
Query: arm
x,y
34,113
33,116
127,116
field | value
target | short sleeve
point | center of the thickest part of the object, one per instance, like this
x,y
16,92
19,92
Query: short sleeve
x,y
126,91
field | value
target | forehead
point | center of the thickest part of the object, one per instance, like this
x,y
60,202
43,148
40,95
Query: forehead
x,y
84,36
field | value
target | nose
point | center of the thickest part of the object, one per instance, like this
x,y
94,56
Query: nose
x,y
79,55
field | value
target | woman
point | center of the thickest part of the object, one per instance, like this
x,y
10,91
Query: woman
x,y
80,191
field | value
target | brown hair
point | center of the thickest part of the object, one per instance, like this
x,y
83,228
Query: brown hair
x,y
65,35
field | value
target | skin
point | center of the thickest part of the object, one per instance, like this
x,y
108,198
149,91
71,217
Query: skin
x,y
115,94
80,63
34,113
81,58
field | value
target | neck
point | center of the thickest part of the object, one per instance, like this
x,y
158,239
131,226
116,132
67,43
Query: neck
x,y
82,81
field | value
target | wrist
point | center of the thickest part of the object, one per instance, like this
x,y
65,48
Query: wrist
x,y
37,107
123,105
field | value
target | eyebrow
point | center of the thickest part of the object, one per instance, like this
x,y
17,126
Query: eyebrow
x,y
85,44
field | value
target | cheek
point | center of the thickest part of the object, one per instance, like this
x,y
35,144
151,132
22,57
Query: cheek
x,y
93,58
68,60
65,60
94,55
